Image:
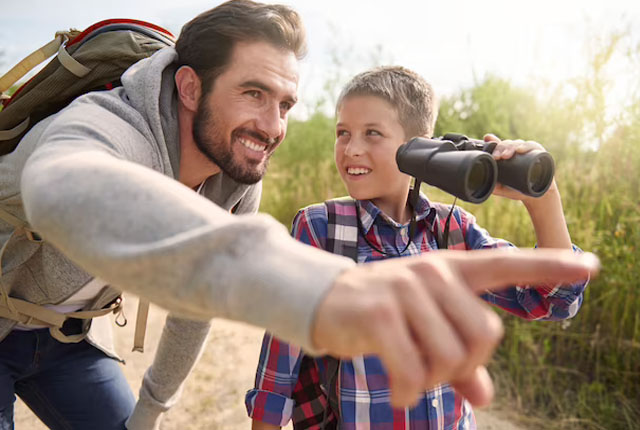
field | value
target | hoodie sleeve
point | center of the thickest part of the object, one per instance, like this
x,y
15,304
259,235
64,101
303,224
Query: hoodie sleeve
x,y
87,191
179,350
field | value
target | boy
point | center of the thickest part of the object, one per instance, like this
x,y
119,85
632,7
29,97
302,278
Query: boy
x,y
378,111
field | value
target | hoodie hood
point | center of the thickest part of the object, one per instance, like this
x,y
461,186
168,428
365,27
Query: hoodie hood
x,y
150,88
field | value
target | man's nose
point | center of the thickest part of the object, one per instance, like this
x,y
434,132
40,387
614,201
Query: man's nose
x,y
271,122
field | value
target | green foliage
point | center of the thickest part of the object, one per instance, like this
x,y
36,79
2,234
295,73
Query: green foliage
x,y
578,374
302,171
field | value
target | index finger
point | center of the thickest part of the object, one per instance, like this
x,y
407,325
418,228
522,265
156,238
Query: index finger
x,y
495,269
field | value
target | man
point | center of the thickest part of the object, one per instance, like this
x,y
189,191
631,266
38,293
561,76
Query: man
x,y
135,185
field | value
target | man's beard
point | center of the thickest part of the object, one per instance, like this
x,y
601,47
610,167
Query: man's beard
x,y
210,141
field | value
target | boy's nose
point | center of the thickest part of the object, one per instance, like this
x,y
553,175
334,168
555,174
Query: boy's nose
x,y
354,148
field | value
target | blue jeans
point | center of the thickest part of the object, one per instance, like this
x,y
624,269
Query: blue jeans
x,y
67,385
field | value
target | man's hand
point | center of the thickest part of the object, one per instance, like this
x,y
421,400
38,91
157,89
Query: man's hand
x,y
422,317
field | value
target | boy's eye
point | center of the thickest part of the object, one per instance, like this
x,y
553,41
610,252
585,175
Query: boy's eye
x,y
372,132
340,133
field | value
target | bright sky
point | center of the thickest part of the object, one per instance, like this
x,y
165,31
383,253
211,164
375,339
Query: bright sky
x,y
450,42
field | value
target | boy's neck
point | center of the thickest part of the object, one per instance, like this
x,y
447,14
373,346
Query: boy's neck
x,y
399,211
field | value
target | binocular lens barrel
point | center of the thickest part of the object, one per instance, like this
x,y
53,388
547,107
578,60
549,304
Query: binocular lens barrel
x,y
480,178
530,173
469,175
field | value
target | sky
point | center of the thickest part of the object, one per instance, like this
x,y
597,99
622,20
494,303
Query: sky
x,y
452,43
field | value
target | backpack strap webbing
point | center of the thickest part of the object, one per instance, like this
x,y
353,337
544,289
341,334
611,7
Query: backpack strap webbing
x,y
342,239
141,325
31,314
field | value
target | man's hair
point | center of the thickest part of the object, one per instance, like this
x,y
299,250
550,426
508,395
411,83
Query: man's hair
x,y
207,41
407,92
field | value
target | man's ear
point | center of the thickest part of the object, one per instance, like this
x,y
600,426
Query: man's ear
x,y
189,87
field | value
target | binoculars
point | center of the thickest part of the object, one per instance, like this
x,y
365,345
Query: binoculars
x,y
465,168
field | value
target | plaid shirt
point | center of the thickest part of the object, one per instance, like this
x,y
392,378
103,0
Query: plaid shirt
x,y
288,383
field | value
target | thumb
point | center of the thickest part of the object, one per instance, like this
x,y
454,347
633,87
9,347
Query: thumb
x,y
477,388
489,137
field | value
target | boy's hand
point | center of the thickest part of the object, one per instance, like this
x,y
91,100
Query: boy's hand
x,y
504,150
422,317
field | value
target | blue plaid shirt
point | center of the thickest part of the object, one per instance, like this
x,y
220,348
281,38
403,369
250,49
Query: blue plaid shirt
x,y
286,388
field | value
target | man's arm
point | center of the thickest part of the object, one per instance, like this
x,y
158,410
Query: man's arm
x,y
179,350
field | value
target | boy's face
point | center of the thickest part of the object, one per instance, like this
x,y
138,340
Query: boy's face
x,y
368,134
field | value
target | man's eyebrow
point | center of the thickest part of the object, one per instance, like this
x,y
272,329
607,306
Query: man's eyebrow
x,y
257,84
267,89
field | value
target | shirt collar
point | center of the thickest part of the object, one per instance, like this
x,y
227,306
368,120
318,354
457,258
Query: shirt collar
x,y
368,212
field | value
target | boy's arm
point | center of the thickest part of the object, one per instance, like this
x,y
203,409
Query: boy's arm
x,y
546,211
270,401
532,302
548,219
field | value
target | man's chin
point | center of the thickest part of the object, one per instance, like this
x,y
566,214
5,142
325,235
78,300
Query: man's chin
x,y
248,177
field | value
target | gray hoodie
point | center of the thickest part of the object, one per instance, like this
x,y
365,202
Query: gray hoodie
x,y
97,182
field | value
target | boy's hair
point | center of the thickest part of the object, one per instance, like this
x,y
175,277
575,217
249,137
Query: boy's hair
x,y
207,41
410,95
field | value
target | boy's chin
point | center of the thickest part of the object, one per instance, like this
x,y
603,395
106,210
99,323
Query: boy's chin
x,y
359,195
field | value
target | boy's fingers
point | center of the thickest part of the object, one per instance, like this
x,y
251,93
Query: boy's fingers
x,y
489,137
494,270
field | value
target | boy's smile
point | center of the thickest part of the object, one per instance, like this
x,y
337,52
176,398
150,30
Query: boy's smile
x,y
368,134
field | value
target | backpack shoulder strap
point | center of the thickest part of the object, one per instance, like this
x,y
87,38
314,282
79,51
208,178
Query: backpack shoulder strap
x,y
342,239
455,238
342,227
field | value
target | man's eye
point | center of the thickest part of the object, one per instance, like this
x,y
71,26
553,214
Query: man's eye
x,y
285,106
340,133
373,133
253,94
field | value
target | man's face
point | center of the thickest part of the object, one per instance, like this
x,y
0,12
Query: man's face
x,y
243,118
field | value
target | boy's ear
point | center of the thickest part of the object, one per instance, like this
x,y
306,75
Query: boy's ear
x,y
189,87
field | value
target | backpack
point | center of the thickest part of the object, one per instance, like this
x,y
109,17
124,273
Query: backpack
x,y
86,61
342,239
91,60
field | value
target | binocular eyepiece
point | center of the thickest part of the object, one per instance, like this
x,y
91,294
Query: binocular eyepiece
x,y
465,168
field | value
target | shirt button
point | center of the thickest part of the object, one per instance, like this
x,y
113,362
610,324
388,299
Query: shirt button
x,y
435,403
